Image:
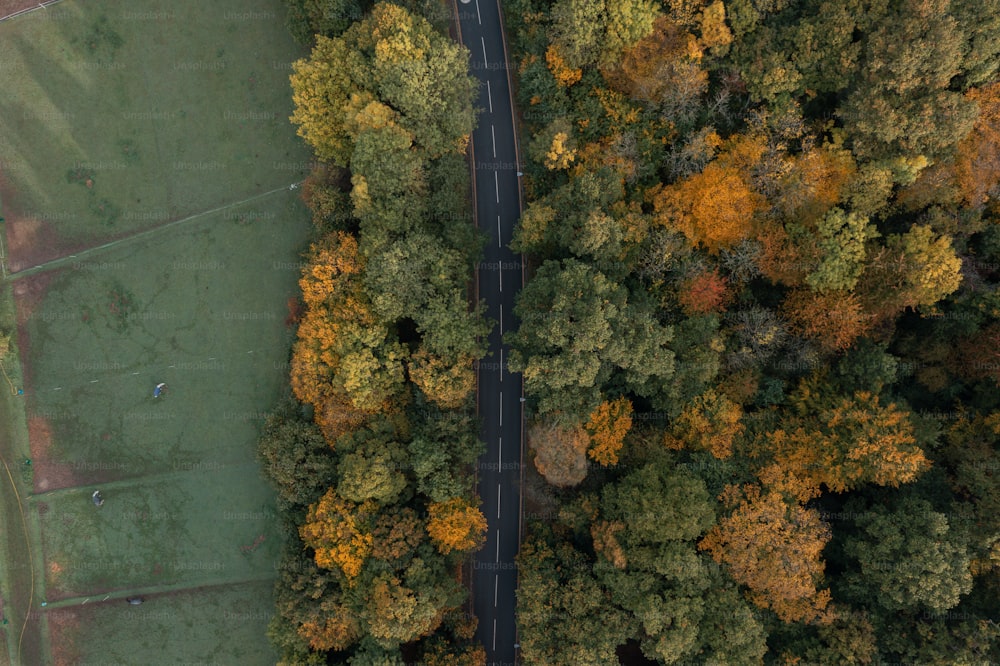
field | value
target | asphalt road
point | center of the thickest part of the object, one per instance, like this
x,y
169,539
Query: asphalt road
x,y
498,206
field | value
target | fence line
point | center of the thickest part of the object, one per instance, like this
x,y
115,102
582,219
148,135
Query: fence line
x,y
26,10
142,233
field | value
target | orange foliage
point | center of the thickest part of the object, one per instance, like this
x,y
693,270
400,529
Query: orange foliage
x,y
565,75
858,441
337,416
782,261
332,294
705,292
714,208
607,427
339,532
338,630
814,182
666,62
710,423
456,525
774,548
396,534
977,162
834,319
606,543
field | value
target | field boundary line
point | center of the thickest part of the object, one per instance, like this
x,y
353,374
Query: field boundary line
x,y
28,10
31,559
59,261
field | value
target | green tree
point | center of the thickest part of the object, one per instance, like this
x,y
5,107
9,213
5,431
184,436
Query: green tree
x,y
397,58
577,329
908,557
563,614
841,243
296,457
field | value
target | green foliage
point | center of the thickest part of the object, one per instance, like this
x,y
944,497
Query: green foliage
x,y
296,457
841,241
909,558
396,57
577,331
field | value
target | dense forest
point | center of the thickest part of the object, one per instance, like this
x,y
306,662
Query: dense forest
x,y
760,342
372,453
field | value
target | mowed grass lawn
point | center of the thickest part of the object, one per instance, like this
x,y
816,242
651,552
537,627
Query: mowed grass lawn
x,y
116,117
202,308
121,114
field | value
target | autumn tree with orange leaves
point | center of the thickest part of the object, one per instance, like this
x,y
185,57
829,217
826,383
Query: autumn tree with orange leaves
x,y
608,425
714,208
456,525
856,440
774,548
339,532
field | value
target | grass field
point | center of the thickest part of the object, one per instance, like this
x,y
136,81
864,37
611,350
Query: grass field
x,y
118,115
160,128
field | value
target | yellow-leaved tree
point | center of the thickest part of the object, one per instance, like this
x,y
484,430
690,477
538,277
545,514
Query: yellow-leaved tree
x,y
456,525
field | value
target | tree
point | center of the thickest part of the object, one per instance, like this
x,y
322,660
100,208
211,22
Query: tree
x,y
339,531
396,535
710,423
841,242
927,267
909,557
833,319
899,105
397,58
456,525
977,159
704,292
664,69
296,457
855,440
372,470
560,452
774,549
658,504
607,426
589,32
713,208
577,329
563,612
307,18
554,146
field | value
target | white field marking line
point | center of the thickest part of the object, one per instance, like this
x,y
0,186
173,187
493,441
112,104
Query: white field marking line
x,y
496,179
498,501
493,132
478,17
144,233
489,94
486,61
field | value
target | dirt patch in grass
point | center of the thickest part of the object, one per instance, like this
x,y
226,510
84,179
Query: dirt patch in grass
x,y
8,7
64,630
49,473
